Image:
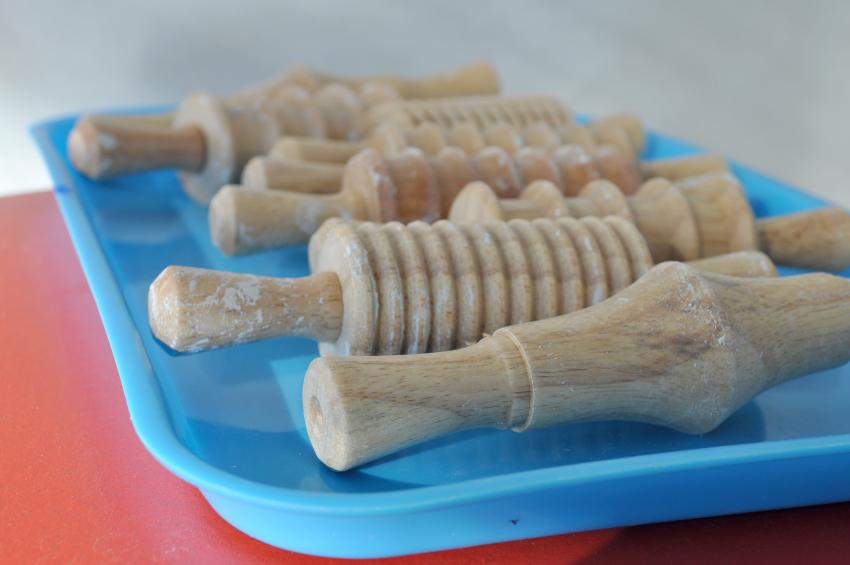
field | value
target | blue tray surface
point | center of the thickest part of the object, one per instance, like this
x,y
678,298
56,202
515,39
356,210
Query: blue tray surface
x,y
230,421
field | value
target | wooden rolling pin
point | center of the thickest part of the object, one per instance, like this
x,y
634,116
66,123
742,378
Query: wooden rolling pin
x,y
389,288
211,141
585,162
624,131
679,348
473,79
95,139
695,217
407,187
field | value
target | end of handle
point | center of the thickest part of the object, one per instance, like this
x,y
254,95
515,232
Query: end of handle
x,y
358,409
191,309
819,239
86,150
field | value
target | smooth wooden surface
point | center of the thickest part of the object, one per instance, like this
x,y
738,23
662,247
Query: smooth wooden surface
x,y
292,175
67,439
387,289
679,348
104,146
476,78
819,239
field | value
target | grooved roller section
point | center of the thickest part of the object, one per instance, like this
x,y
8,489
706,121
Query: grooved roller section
x,y
481,111
442,286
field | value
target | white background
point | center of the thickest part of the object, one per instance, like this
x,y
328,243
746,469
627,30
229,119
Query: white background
x,y
766,83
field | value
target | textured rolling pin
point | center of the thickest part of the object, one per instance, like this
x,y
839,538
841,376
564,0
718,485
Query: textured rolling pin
x,y
389,288
624,131
696,217
584,162
211,141
96,141
678,348
407,187
600,148
280,171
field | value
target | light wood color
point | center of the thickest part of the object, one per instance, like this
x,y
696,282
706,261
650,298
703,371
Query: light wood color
x,y
406,187
145,142
234,133
519,111
624,131
97,142
679,348
695,217
292,175
819,239
570,166
389,288
209,141
231,308
474,79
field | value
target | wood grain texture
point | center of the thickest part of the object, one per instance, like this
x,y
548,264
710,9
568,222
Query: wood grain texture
x,y
679,348
414,288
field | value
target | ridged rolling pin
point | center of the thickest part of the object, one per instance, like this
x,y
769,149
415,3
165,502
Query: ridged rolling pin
x,y
679,348
211,142
409,186
95,138
275,170
624,131
696,217
591,160
388,288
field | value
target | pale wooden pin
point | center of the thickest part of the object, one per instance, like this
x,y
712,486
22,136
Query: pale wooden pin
x,y
694,217
406,187
622,130
679,348
97,143
102,147
569,166
415,288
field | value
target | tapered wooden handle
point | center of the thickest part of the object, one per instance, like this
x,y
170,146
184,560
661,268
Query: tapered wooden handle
x,y
196,311
676,168
243,220
818,240
275,173
320,150
748,264
106,146
475,79
679,348
193,309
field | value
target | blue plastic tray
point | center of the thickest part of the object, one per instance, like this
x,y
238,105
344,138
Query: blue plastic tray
x,y
230,421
